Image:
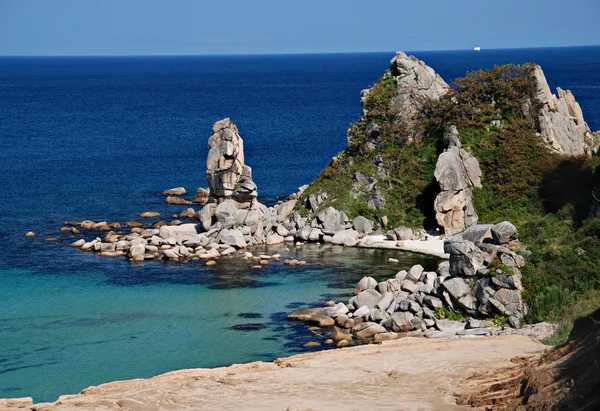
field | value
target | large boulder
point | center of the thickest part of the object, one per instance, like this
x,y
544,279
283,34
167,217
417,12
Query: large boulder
x,y
228,213
332,220
363,225
369,298
456,171
345,237
416,84
504,232
477,233
233,237
285,209
225,161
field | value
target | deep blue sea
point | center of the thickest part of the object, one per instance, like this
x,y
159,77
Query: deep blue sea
x,y
98,137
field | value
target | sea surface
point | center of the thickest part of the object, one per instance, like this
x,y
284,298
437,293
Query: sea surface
x,y
99,137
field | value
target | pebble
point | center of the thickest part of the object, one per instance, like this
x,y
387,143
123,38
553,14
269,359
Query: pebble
x,y
211,263
312,344
30,234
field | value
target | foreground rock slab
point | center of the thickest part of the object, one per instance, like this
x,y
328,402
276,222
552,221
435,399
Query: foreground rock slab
x,y
320,380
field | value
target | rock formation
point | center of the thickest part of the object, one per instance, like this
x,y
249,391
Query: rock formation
x,y
482,279
417,83
225,168
233,212
561,121
456,172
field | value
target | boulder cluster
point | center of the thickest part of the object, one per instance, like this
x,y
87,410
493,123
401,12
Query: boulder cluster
x,y
481,280
235,217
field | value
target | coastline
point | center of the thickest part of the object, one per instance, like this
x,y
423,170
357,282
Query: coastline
x,y
432,246
421,373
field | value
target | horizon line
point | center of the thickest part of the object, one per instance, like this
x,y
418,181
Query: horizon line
x,y
291,54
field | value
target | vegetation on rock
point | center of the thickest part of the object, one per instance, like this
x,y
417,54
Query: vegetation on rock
x,y
548,196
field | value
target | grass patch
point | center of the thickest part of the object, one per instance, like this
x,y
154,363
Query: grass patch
x,y
585,305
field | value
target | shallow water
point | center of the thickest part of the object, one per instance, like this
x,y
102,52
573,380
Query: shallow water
x,y
66,331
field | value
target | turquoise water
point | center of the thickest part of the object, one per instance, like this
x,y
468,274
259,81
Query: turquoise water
x,y
63,333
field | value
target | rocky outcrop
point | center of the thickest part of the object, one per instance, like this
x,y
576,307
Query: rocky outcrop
x,y
225,168
417,83
456,171
481,281
561,121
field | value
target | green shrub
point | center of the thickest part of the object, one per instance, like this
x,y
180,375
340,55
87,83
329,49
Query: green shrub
x,y
446,313
550,304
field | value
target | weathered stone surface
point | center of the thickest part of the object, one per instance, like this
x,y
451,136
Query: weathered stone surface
x,y
228,213
370,330
365,283
433,302
233,237
386,299
414,274
561,121
400,322
456,171
15,403
285,209
341,237
206,216
504,232
477,233
362,225
177,191
149,214
177,200
456,287
449,327
332,220
322,320
368,297
410,286
362,311
225,161
416,84
202,195
315,234
303,233
403,233
510,300
303,314
274,238
338,334
79,243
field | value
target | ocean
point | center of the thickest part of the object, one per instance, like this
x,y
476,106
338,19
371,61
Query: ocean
x,y
100,137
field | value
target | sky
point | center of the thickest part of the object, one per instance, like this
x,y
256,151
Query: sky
x,y
188,27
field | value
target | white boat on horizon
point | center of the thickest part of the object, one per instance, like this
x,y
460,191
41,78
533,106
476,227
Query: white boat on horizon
x,y
477,48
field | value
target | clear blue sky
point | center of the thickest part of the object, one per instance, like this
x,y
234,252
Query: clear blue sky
x,y
150,27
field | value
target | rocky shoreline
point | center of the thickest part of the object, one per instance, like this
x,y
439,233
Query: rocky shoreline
x,y
422,374
481,278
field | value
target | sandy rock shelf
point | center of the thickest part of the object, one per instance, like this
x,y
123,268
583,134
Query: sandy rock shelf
x,y
405,374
